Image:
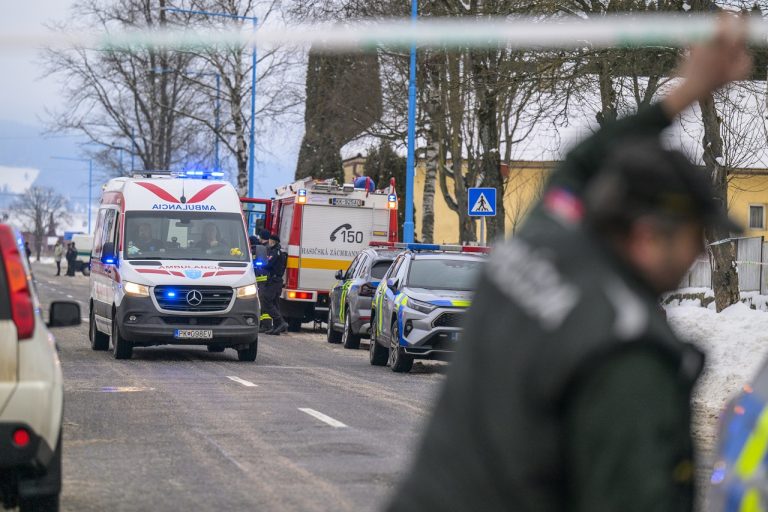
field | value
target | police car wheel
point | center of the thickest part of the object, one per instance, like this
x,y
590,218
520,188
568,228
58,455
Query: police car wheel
x,y
377,354
331,335
99,340
121,348
349,338
399,361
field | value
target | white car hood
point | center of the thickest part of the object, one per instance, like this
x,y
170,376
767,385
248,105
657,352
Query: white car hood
x,y
188,272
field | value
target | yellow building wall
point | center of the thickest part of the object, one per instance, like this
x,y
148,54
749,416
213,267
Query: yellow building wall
x,y
745,190
524,185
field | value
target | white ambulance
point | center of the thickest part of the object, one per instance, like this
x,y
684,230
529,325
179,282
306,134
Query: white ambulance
x,y
171,264
323,226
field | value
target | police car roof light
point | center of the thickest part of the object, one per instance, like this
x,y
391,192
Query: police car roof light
x,y
433,247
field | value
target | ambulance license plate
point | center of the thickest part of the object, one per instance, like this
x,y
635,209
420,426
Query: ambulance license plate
x,y
193,334
344,201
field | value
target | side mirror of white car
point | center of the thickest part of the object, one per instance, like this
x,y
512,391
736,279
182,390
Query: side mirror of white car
x,y
64,314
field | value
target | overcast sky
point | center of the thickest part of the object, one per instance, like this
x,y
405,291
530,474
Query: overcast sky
x,y
24,93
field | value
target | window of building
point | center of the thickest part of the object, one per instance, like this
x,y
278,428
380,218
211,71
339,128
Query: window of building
x,y
756,216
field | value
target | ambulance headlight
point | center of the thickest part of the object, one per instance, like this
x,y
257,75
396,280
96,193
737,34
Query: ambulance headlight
x,y
135,290
246,292
421,307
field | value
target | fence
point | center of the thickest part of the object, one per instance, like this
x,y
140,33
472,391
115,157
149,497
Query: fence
x,y
751,262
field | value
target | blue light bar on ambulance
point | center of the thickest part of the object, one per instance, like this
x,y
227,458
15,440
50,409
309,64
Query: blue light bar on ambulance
x,y
203,175
302,197
433,247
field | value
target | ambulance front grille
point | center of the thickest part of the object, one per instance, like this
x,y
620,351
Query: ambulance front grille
x,y
211,298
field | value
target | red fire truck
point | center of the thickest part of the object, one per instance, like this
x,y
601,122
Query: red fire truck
x,y
322,225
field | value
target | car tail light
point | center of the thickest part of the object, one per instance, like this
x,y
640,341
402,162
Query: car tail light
x,y
22,307
21,438
367,290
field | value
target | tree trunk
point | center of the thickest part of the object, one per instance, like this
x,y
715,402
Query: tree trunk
x,y
725,279
435,154
490,168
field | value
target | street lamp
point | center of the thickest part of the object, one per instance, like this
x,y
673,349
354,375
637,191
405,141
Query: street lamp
x,y
90,182
254,20
408,226
217,121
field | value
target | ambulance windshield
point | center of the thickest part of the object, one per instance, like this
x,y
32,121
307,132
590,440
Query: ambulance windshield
x,y
172,235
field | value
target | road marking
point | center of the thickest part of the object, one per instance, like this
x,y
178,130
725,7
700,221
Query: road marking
x,y
245,383
322,417
124,389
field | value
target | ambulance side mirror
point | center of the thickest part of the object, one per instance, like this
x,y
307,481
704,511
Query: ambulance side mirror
x,y
339,275
108,256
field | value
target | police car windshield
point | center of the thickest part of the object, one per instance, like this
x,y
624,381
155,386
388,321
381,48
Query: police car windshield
x,y
444,274
185,236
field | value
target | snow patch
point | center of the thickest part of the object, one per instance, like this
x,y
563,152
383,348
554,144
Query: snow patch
x,y
735,341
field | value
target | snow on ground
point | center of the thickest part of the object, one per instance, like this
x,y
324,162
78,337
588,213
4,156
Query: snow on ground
x,y
735,341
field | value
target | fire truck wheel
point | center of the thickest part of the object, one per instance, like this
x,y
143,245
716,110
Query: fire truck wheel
x,y
294,324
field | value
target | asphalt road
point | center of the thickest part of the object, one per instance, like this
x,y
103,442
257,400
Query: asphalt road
x,y
309,426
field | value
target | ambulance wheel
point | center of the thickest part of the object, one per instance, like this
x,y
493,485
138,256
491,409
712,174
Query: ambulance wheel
x,y
399,361
331,335
294,324
99,340
121,348
215,348
349,338
248,354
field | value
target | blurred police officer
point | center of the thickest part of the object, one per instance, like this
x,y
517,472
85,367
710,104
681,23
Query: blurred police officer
x,y
259,254
275,267
570,392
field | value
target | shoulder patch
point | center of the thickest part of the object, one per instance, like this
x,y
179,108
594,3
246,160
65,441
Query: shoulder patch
x,y
530,278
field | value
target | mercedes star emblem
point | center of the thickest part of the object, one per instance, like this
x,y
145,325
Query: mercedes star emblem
x,y
194,298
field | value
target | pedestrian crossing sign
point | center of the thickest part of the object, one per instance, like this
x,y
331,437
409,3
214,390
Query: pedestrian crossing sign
x,y
482,202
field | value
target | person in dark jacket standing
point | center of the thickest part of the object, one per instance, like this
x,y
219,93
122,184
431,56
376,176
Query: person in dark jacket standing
x,y
276,262
569,391
260,256
71,259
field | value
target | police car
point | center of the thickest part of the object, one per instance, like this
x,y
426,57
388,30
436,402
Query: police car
x,y
419,305
349,314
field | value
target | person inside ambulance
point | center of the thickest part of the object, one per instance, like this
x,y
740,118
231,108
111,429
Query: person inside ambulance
x,y
211,238
144,241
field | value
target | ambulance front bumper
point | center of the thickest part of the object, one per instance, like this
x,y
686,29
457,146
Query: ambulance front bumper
x,y
141,323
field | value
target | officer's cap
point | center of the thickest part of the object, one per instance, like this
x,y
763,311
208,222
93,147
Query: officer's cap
x,y
641,177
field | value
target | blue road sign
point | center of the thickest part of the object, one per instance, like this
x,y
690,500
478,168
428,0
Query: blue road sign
x,y
482,202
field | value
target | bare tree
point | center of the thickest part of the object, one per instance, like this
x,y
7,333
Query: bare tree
x,y
279,84
127,101
39,210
